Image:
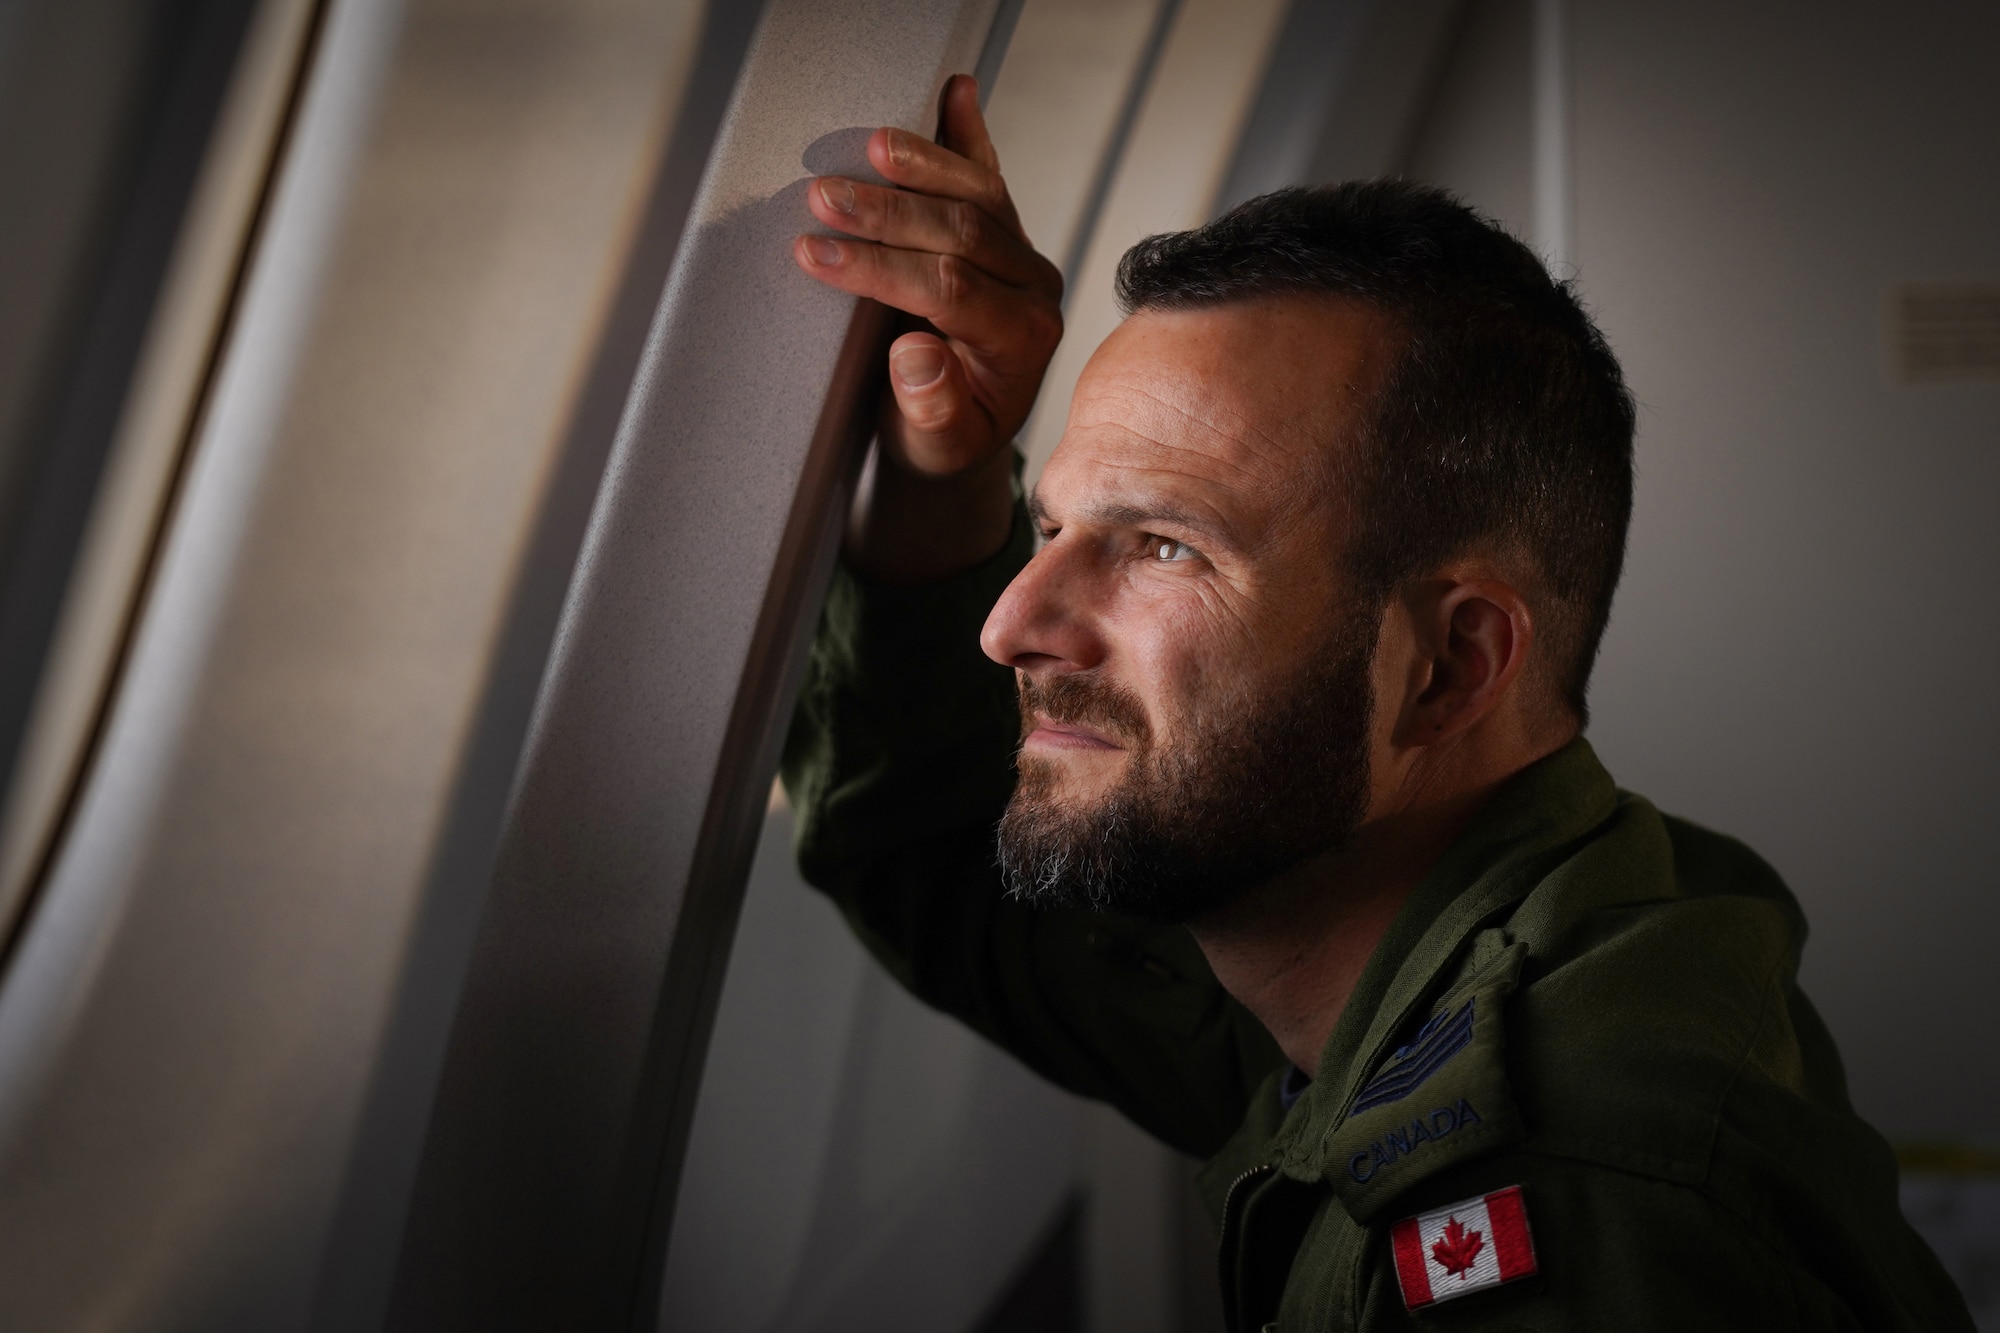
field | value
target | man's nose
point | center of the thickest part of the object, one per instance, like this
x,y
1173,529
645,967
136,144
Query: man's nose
x,y
1040,624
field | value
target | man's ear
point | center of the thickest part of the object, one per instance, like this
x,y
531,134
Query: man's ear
x,y
1474,634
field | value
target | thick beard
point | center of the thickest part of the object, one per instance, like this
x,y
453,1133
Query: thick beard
x,y
1248,789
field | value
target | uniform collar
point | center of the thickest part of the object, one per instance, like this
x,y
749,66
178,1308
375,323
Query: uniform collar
x,y
1530,824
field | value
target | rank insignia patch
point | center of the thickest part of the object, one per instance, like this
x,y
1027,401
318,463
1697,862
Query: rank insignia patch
x,y
1443,1037
1464,1247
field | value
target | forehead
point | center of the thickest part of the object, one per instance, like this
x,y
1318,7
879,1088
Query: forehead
x,y
1230,413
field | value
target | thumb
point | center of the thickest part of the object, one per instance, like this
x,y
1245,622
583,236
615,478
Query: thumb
x,y
936,429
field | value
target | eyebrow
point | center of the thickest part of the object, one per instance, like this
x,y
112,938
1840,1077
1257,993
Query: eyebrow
x,y
1134,516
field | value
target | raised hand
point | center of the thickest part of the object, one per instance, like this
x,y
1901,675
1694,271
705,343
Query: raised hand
x,y
942,244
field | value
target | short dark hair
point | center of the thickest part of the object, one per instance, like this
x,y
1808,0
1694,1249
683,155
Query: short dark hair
x,y
1505,418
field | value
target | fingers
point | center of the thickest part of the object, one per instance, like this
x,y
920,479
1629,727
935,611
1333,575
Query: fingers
x,y
911,221
942,241
915,163
937,427
961,299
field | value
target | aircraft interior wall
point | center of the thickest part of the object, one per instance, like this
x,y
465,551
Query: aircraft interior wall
x,y
1747,213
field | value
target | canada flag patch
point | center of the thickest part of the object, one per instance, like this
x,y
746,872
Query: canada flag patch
x,y
1464,1247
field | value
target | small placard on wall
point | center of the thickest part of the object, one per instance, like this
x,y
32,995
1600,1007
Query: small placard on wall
x,y
1944,332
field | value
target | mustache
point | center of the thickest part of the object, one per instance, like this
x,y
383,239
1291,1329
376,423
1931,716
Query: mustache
x,y
1084,700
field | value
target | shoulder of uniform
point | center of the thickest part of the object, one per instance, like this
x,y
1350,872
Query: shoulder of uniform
x,y
1433,1096
1636,1015
1604,1019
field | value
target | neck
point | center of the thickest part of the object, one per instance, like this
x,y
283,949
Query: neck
x,y
1293,950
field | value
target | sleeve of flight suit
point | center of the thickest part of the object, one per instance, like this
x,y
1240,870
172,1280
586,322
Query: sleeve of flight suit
x,y
899,764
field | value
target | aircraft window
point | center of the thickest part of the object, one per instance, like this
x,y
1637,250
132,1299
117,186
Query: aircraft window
x,y
148,446
221,1011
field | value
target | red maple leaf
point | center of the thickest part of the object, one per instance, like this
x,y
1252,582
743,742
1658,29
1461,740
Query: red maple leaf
x,y
1458,1248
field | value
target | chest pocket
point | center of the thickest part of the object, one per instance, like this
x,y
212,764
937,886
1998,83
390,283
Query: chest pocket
x,y
1438,1098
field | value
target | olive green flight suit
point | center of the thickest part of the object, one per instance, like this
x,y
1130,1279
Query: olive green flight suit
x,y
1585,998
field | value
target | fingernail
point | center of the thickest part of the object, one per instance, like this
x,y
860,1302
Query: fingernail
x,y
918,366
897,145
822,251
838,194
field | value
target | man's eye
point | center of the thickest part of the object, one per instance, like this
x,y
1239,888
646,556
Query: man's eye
x,y
1167,549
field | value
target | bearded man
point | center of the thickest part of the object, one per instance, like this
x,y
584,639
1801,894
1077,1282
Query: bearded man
x,y
1302,861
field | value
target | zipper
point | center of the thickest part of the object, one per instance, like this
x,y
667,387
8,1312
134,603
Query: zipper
x,y
1232,1298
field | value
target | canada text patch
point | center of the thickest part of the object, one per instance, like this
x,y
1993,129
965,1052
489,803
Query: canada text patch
x,y
1463,1247
1434,1099
1400,1142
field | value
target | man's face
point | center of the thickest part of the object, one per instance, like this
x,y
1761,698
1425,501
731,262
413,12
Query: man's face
x,y
1195,674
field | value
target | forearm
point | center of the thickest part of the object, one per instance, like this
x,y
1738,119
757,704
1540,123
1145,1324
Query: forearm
x,y
908,529
904,730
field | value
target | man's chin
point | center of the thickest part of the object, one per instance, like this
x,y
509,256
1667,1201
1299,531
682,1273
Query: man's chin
x,y
1073,781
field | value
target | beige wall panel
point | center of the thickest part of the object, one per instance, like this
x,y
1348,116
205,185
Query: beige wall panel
x,y
138,476
267,800
1180,148
1054,110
